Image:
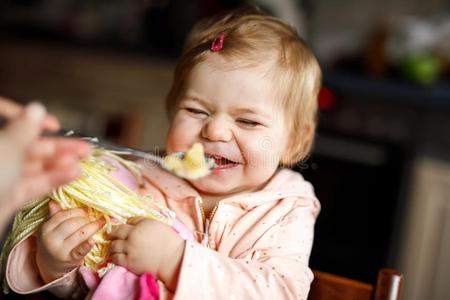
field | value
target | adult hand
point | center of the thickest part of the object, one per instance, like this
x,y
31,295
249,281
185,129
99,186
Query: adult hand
x,y
11,110
31,165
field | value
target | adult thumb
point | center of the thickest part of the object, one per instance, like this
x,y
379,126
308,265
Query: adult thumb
x,y
53,208
27,126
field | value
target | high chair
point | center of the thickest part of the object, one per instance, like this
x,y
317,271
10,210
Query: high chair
x,y
327,286
324,287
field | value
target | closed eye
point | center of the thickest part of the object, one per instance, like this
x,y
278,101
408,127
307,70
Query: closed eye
x,y
196,111
247,122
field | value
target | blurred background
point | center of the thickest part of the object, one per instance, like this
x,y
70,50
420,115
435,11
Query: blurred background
x,y
381,163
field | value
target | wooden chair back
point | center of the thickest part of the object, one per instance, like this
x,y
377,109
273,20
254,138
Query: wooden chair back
x,y
327,286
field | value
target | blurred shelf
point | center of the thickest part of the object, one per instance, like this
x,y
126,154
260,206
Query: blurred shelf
x,y
402,92
90,90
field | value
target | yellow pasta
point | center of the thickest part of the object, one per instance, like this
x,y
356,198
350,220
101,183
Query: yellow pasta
x,y
103,196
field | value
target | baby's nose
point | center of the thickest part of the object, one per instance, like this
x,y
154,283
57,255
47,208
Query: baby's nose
x,y
217,130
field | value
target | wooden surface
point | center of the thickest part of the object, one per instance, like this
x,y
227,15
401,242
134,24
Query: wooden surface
x,y
332,287
389,285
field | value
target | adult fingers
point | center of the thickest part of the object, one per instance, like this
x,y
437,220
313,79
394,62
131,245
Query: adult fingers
x,y
72,146
41,148
62,175
31,168
27,126
35,167
50,123
11,109
54,147
83,233
39,184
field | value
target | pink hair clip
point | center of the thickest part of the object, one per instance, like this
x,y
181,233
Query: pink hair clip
x,y
217,45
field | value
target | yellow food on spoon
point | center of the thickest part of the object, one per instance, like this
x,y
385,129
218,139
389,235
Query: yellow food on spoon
x,y
193,165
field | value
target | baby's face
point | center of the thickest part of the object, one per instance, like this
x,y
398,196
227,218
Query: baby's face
x,y
234,114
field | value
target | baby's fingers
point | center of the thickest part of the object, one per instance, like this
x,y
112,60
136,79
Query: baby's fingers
x,y
119,259
80,251
118,246
83,234
120,232
62,216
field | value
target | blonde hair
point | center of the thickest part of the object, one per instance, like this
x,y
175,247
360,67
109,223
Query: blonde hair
x,y
254,39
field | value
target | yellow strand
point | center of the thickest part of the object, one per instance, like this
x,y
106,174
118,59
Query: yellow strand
x,y
103,196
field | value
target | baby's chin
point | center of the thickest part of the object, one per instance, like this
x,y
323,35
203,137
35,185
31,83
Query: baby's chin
x,y
214,188
207,187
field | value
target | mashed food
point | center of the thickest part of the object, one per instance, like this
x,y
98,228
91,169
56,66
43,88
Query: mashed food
x,y
192,165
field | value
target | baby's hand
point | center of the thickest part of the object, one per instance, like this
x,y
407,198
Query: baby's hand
x,y
64,240
148,246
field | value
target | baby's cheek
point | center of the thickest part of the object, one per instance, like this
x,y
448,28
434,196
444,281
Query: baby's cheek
x,y
179,137
261,154
175,144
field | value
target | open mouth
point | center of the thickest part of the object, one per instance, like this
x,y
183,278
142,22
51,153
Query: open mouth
x,y
222,162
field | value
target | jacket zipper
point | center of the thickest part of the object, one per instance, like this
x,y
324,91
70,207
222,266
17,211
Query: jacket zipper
x,y
206,221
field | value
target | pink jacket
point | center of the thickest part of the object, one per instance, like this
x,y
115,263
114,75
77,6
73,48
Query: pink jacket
x,y
258,247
